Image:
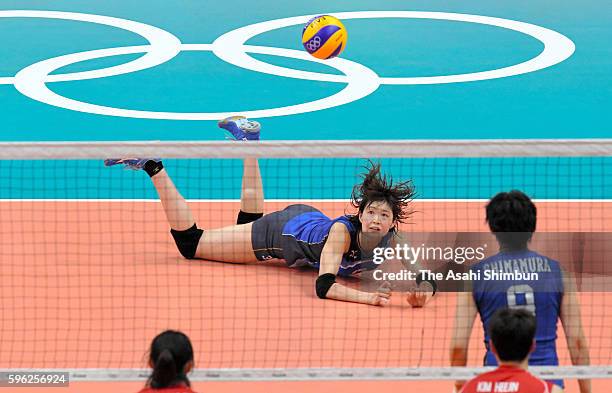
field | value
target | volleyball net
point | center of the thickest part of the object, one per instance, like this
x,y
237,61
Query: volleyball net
x,y
89,273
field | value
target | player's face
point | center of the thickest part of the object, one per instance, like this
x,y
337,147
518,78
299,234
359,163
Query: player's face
x,y
377,217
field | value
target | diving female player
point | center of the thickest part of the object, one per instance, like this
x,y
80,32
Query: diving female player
x,y
299,234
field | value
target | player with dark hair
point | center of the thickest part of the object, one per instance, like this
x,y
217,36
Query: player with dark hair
x,y
171,358
511,335
299,234
512,218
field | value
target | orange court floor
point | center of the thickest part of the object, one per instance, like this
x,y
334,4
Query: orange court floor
x,y
88,284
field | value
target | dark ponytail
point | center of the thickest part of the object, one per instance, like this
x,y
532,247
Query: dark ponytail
x,y
170,352
164,372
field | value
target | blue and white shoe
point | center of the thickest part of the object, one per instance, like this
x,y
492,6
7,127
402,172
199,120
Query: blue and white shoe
x,y
131,163
241,128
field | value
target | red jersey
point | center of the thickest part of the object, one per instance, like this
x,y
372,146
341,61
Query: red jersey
x,y
507,379
176,389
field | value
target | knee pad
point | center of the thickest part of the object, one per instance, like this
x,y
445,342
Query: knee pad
x,y
245,218
324,283
187,240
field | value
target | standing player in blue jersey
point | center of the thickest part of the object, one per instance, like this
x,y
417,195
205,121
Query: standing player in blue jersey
x,y
512,218
300,234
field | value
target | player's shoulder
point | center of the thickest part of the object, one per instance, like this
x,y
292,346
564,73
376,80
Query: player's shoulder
x,y
534,384
344,221
529,382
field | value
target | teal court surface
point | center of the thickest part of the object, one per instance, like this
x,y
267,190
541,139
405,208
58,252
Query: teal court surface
x,y
563,100
434,70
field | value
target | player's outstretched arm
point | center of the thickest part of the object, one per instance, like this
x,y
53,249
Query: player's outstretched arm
x,y
572,325
338,242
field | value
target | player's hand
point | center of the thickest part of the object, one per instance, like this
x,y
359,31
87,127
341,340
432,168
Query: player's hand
x,y
418,296
380,298
385,287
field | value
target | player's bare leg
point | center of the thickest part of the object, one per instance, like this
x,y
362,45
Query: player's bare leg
x,y
177,210
251,195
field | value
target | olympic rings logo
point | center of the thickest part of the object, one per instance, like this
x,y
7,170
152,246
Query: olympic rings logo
x,y
314,44
231,47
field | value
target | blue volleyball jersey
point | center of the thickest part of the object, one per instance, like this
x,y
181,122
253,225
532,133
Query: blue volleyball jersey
x,y
304,236
542,296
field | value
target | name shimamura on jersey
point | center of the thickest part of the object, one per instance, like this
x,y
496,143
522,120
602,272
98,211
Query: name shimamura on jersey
x,y
523,279
506,379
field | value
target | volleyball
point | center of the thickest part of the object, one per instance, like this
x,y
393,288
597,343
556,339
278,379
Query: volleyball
x,y
324,37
